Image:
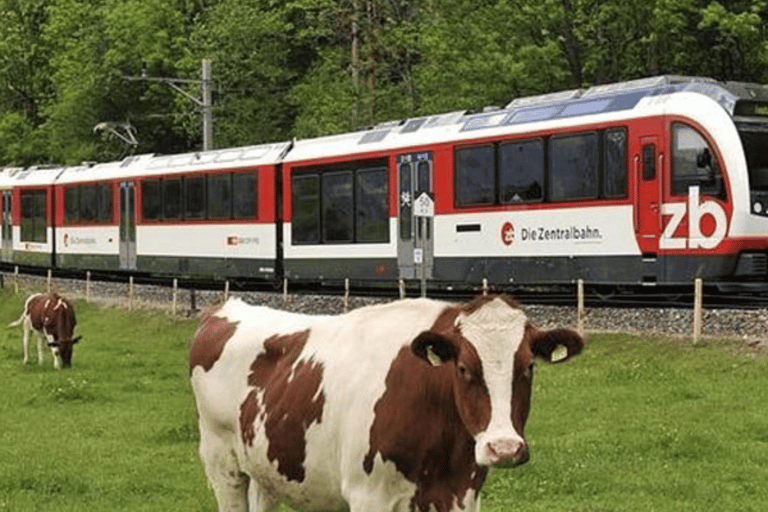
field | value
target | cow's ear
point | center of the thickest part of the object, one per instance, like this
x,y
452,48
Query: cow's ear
x,y
434,348
544,344
76,339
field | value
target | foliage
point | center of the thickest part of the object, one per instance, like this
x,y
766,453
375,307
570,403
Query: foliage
x,y
303,68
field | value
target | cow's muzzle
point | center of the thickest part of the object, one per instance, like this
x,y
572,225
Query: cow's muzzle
x,y
506,453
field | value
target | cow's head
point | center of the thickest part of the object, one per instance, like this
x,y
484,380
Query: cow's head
x,y
62,348
491,345
63,331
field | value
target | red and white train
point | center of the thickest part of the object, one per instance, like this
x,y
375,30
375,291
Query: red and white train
x,y
653,181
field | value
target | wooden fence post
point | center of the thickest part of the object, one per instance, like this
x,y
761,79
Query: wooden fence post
x,y
346,294
130,293
580,306
175,296
698,310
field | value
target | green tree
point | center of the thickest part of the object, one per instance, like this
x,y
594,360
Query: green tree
x,y
259,51
24,80
95,44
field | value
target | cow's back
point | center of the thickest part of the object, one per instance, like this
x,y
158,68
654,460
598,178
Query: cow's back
x,y
300,427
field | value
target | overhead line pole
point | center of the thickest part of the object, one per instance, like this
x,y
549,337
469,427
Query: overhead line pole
x,y
206,104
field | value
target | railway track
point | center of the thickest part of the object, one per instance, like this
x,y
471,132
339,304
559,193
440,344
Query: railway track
x,y
594,297
658,312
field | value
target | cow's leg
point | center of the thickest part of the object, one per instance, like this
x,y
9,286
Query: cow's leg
x,y
259,500
229,484
54,350
384,490
25,343
39,337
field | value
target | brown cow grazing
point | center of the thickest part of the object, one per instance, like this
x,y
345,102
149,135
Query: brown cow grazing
x,y
53,317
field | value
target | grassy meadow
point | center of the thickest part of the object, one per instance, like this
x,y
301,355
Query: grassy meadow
x,y
635,423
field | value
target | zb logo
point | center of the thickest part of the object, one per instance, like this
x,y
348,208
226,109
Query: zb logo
x,y
696,213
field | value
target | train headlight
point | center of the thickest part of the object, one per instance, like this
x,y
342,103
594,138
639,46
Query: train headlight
x,y
757,207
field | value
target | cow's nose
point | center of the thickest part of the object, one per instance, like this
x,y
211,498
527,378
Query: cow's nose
x,y
507,453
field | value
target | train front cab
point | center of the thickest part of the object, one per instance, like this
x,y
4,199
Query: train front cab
x,y
700,194
683,202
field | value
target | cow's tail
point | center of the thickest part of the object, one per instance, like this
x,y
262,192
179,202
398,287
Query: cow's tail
x,y
17,322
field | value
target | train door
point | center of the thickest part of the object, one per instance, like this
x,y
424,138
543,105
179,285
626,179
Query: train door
x,y
6,238
648,208
127,226
415,246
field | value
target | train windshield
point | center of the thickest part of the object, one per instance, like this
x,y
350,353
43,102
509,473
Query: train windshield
x,y
754,138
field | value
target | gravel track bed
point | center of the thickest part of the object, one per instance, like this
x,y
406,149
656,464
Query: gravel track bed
x,y
748,324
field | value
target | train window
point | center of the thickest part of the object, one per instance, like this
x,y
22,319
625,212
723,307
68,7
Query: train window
x,y
152,199
33,214
306,209
475,176
194,197
88,203
244,195
422,171
754,138
72,204
405,200
337,206
172,198
219,196
693,163
371,205
104,209
649,162
615,163
573,168
341,205
521,171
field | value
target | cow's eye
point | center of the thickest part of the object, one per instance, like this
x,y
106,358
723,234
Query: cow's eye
x,y
465,373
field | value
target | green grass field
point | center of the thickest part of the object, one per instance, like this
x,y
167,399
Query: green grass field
x,y
632,424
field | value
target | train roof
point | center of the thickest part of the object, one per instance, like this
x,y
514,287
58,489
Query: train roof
x,y
737,98
35,176
742,101
147,165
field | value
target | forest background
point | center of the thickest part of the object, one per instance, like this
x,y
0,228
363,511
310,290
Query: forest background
x,y
304,68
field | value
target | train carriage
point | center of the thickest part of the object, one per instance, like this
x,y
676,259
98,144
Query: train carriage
x,y
89,235
203,214
28,229
211,213
6,213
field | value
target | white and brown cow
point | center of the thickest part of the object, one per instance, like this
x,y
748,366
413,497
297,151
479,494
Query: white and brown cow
x,y
52,317
398,407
